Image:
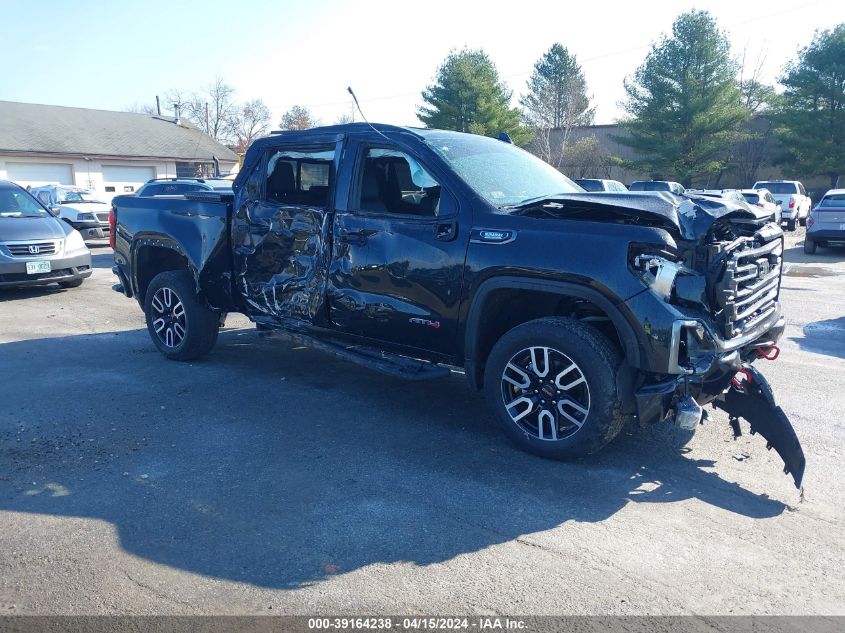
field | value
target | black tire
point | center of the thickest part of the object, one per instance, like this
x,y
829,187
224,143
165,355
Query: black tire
x,y
790,225
803,221
197,324
809,246
596,360
74,283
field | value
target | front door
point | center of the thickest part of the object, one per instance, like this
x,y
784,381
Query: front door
x,y
399,252
280,233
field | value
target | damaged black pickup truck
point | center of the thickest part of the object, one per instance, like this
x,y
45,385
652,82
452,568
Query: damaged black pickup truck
x,y
419,252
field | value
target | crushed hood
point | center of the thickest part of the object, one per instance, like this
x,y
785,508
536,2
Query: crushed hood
x,y
690,216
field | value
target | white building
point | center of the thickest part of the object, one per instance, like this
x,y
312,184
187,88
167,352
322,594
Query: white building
x,y
108,152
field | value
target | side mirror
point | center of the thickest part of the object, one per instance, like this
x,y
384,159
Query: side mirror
x,y
54,211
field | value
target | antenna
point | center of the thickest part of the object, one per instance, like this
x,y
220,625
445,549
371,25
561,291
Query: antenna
x,y
358,105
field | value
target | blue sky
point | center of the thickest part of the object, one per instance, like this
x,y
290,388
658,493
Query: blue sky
x,y
113,55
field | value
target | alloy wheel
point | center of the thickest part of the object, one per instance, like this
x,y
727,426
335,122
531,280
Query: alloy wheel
x,y
169,319
545,393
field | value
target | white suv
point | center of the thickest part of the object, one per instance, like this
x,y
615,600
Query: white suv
x,y
794,202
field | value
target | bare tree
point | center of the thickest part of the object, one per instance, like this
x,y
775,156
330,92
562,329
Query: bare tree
x,y
345,118
211,111
557,100
298,118
140,108
586,158
248,123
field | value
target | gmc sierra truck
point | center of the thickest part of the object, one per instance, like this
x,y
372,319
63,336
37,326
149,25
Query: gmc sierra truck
x,y
420,252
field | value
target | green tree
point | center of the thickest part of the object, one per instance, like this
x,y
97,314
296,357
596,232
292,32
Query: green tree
x,y
298,118
556,100
811,121
468,96
684,102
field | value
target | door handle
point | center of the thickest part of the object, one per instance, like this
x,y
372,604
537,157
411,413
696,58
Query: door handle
x,y
358,237
446,231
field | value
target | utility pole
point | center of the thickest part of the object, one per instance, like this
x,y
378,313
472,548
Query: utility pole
x,y
207,129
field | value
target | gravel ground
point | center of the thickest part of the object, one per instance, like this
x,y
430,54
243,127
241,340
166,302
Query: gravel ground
x,y
268,479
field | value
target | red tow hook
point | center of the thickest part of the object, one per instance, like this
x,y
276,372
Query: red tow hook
x,y
769,353
740,379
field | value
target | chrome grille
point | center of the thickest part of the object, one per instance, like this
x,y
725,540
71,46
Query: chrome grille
x,y
31,249
747,291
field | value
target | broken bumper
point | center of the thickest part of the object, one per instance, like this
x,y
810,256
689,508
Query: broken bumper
x,y
742,392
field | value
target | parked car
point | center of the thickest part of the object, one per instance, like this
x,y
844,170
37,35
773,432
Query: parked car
x,y
78,207
415,252
596,184
36,248
656,185
826,224
794,202
764,199
181,186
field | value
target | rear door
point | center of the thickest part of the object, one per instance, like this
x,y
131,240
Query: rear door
x,y
399,250
280,230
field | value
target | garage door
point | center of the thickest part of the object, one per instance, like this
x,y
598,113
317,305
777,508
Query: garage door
x,y
39,173
119,179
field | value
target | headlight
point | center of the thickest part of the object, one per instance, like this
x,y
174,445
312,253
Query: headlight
x,y
74,241
86,217
669,278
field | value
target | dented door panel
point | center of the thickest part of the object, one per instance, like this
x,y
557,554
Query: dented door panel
x,y
280,259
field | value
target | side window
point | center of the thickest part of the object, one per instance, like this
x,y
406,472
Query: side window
x,y
801,189
391,181
44,197
301,177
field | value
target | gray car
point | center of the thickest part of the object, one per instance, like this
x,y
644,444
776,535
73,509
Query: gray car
x,y
826,223
37,248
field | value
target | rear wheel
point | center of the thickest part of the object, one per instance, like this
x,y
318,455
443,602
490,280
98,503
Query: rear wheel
x,y
790,225
181,327
552,386
809,246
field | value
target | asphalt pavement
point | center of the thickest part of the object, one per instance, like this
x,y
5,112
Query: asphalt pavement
x,y
271,479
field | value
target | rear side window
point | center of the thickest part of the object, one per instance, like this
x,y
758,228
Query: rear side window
x,y
753,198
300,177
650,186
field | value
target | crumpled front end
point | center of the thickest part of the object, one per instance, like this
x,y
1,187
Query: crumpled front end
x,y
713,309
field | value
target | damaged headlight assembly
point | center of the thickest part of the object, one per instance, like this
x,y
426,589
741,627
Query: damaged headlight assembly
x,y
692,348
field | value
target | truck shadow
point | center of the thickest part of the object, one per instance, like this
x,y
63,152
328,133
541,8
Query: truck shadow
x,y
280,466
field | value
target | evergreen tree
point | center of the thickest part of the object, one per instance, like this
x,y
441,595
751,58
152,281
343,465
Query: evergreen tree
x,y
468,96
685,103
811,121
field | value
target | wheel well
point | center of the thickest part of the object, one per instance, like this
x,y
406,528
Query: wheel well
x,y
152,260
509,307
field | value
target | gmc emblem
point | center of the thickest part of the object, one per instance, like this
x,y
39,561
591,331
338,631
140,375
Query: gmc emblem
x,y
34,249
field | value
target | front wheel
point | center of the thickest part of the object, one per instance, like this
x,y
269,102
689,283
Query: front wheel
x,y
181,327
552,386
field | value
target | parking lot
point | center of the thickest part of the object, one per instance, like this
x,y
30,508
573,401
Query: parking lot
x,y
273,479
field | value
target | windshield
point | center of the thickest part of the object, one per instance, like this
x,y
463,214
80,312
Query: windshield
x,y
500,172
778,188
16,203
219,185
70,195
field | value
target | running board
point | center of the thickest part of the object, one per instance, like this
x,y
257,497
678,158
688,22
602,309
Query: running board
x,y
384,362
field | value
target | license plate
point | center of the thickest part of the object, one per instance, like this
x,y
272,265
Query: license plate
x,y
34,268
